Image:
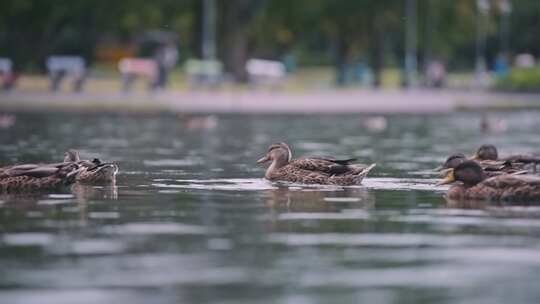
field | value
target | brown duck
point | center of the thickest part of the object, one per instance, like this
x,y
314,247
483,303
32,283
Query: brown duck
x,y
518,161
92,172
487,157
324,171
37,177
490,167
475,185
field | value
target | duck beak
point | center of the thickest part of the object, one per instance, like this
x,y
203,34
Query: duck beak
x,y
264,159
475,157
448,179
444,172
439,168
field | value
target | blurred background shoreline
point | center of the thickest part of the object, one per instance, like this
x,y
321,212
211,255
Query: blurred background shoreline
x,y
261,102
260,56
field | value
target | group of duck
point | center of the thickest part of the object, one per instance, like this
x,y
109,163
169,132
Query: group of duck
x,y
484,176
53,176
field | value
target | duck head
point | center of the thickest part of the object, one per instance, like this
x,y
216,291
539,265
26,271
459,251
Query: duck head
x,y
468,172
486,152
280,154
453,161
71,155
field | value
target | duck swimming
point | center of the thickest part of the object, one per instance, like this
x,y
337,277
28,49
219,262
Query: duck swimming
x,y
489,152
37,177
325,171
475,185
92,172
490,167
518,161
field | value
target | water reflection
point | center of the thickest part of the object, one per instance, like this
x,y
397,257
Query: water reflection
x,y
285,199
470,204
85,192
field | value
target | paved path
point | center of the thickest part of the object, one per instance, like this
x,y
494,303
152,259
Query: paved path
x,y
329,101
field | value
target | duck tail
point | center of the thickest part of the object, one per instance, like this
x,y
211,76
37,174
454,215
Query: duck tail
x,y
362,172
366,170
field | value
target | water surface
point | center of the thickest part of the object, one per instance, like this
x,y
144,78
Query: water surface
x,y
192,221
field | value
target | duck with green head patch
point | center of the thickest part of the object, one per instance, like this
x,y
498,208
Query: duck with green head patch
x,y
474,184
317,170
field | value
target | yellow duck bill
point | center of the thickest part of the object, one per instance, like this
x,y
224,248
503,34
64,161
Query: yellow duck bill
x,y
448,179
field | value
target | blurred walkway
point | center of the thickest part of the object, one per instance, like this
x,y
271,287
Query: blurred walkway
x,y
330,101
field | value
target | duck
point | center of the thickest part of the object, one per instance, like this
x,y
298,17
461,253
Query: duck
x,y
489,152
476,185
37,177
316,170
490,167
92,172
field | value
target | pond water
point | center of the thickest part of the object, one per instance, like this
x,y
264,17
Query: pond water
x,y
190,219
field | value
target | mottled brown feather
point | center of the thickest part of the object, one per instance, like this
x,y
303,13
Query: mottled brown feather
x,y
314,171
504,187
37,177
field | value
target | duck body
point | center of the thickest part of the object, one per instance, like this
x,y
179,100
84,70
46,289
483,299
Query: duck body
x,y
37,177
103,173
500,188
475,185
498,167
45,177
316,170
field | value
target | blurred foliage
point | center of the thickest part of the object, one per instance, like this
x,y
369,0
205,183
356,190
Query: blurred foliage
x,y
30,30
520,79
314,32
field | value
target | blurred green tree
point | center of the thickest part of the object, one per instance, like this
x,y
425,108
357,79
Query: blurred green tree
x,y
340,32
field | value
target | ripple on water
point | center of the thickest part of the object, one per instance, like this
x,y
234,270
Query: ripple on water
x,y
356,215
257,184
156,228
27,239
253,184
382,183
390,240
104,215
88,247
173,162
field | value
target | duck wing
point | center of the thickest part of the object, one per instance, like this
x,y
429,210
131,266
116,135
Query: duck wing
x,y
32,170
522,158
322,165
16,170
498,167
492,165
512,181
39,171
343,161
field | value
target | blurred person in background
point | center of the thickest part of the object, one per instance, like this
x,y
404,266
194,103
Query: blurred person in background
x,y
166,58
